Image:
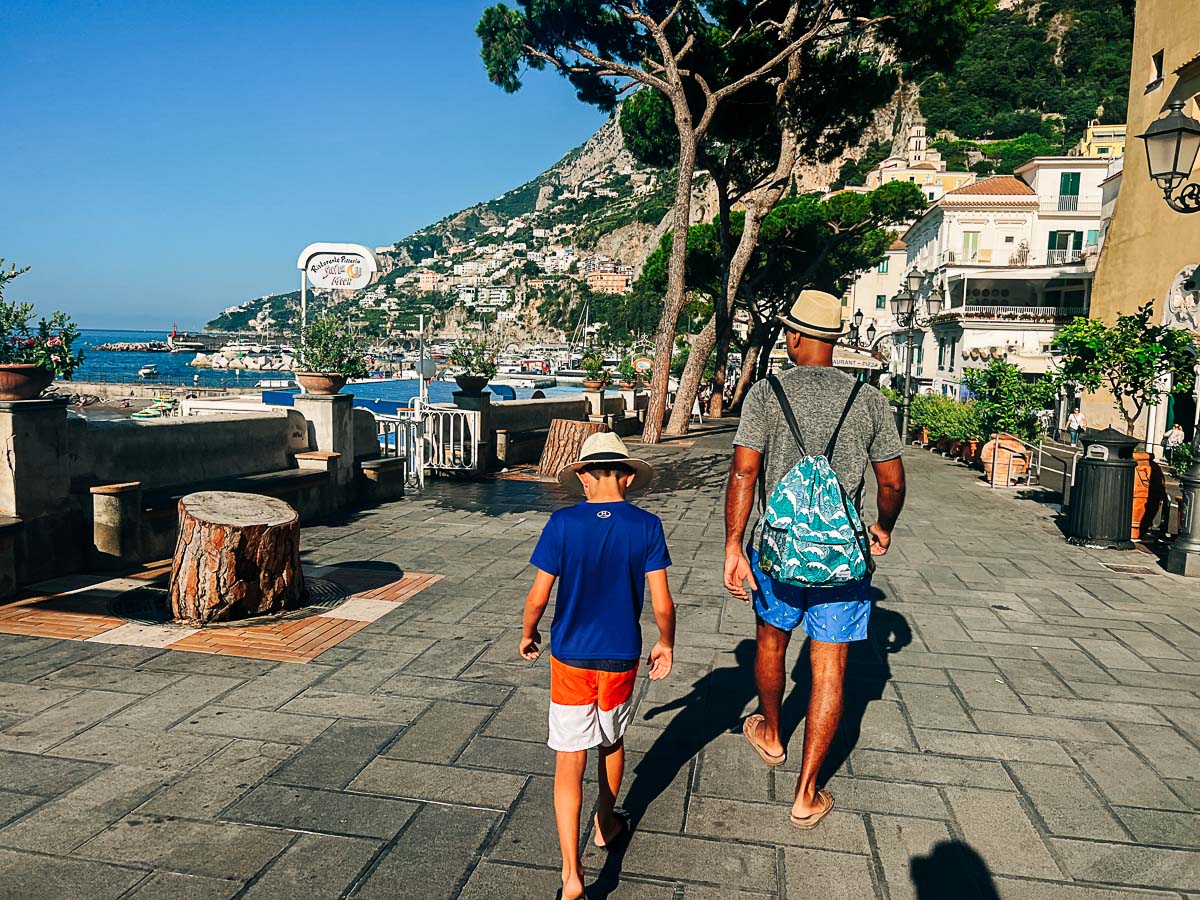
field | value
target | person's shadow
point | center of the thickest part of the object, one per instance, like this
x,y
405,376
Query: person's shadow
x,y
952,871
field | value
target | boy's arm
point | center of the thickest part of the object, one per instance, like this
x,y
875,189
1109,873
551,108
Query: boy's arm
x,y
535,606
662,654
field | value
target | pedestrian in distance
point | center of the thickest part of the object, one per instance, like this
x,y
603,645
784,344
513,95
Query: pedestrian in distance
x,y
603,552
1076,422
808,560
1173,440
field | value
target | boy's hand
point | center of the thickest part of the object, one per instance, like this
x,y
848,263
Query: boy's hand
x,y
529,645
660,661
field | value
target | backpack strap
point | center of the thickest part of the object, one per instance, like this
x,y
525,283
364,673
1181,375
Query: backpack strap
x,y
788,415
845,412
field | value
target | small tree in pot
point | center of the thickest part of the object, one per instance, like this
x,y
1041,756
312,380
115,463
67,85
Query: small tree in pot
x,y
477,359
630,376
329,356
31,357
595,375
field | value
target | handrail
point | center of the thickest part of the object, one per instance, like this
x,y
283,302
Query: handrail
x,y
1037,461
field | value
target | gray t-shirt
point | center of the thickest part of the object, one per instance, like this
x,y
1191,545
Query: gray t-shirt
x,y
818,394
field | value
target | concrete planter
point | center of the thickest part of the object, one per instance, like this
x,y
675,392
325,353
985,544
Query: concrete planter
x,y
471,385
321,384
594,385
23,381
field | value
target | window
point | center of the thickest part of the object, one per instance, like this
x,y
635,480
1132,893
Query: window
x,y
1156,72
1092,237
881,301
941,355
1102,151
970,246
845,300
883,266
932,196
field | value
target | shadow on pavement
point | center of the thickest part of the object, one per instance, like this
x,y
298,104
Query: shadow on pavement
x,y
952,871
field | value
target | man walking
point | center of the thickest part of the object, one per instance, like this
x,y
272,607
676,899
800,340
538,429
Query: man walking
x,y
861,428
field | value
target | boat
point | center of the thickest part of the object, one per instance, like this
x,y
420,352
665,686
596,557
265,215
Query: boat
x,y
163,406
182,342
150,370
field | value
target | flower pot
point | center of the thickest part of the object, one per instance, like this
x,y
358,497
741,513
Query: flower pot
x,y
956,448
24,381
593,385
321,384
971,450
1004,460
628,385
943,444
471,385
1149,491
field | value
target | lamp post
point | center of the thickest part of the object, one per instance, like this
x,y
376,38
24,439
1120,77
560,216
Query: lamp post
x,y
904,310
1172,144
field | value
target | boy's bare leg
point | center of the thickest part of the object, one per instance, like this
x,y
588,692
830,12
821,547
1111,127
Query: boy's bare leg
x,y
769,673
610,766
821,724
568,798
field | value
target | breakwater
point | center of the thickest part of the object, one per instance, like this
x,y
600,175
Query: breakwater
x,y
134,347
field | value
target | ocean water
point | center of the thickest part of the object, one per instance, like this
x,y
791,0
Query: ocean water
x,y
104,365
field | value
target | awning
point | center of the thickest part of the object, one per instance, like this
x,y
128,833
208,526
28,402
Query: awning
x,y
850,358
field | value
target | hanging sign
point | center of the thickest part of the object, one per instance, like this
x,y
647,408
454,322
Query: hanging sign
x,y
643,364
342,267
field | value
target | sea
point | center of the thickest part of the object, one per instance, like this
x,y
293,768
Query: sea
x,y
173,369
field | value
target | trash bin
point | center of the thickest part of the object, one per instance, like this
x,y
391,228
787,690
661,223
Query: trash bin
x,y
1101,507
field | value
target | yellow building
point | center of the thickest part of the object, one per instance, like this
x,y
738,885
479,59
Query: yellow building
x,y
921,165
1151,251
1102,140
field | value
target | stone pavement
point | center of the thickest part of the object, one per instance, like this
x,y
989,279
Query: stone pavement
x,y
1023,723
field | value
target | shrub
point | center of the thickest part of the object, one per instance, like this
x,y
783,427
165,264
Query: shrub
x,y
593,368
47,345
331,348
475,358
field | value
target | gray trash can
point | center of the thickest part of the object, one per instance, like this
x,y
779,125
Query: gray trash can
x,y
1101,510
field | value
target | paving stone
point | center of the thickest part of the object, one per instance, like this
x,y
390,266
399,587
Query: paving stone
x,y
331,812
209,664
729,767
31,699
496,881
1114,655
1128,864
987,691
874,796
316,866
173,885
1119,693
996,826
524,717
991,746
410,870
172,751
218,782
13,805
43,731
45,776
24,875
1096,709
835,875
108,678
446,658
1075,665
1066,803
719,862
441,732
405,685
254,724
1167,751
768,823
528,834
441,784
62,824
199,848
1046,727
1043,890
49,658
335,757
319,702
898,841
1157,826
925,768
508,755
931,706
274,687
1032,678
1121,776
162,710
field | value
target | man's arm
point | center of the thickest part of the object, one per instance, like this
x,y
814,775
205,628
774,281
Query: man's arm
x,y
535,606
889,476
739,501
662,654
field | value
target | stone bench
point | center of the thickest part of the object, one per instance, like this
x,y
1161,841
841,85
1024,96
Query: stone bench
x,y
9,527
382,478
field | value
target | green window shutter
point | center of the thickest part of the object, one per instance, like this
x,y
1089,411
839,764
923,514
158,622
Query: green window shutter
x,y
1092,237
1068,184
881,301
1053,242
1077,240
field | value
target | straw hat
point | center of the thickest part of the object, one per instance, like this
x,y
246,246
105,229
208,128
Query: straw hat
x,y
816,314
604,446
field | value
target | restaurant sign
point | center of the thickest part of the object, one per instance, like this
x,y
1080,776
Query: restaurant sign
x,y
342,267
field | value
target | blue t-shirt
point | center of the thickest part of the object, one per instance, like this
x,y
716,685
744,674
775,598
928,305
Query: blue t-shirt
x,y
600,553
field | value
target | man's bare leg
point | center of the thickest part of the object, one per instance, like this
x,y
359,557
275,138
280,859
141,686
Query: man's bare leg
x,y
610,766
568,798
769,673
821,724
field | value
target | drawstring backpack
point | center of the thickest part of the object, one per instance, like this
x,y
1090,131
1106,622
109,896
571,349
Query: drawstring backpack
x,y
812,536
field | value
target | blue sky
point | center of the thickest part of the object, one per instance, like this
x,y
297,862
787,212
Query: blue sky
x,y
161,161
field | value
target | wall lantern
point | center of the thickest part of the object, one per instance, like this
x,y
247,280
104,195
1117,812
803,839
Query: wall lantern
x,y
1172,144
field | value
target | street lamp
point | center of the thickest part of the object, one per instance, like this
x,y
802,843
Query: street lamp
x,y
1172,144
904,309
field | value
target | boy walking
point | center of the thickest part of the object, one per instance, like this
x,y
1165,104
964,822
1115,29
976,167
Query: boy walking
x,y
603,552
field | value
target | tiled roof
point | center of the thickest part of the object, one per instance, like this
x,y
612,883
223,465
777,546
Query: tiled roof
x,y
898,244
996,186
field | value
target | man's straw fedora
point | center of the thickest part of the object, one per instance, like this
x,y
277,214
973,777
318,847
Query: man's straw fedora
x,y
816,314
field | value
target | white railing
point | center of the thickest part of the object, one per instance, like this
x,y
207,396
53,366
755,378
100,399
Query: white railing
x,y
1018,312
1050,203
451,440
400,437
1064,257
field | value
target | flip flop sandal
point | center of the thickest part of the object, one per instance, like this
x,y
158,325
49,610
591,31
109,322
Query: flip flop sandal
x,y
808,823
620,836
748,729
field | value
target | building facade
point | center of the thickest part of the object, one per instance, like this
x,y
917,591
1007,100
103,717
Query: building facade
x,y
1102,140
1151,250
922,165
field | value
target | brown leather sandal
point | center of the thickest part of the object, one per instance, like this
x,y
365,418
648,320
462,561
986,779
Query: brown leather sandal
x,y
749,728
809,822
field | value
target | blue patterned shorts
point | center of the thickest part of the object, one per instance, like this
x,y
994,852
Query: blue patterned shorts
x,y
836,614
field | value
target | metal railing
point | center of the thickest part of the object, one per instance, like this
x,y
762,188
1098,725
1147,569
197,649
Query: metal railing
x,y
400,438
1064,257
437,440
1036,465
1068,203
1018,312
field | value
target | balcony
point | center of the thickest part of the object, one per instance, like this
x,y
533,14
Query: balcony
x,y
1031,314
1088,205
1069,257
1021,256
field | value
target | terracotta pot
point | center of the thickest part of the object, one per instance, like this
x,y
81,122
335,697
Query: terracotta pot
x,y
22,381
956,448
943,444
1149,490
971,450
1009,457
627,385
471,385
321,384
593,385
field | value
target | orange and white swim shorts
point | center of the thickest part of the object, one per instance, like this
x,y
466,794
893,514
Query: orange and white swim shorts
x,y
589,707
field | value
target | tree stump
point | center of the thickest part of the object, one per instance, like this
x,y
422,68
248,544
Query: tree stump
x,y
563,444
238,555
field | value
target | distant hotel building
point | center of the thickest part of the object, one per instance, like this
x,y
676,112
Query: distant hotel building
x,y
607,276
1101,140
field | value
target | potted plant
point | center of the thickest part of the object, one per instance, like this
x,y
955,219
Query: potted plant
x,y
31,357
329,356
595,375
477,359
630,376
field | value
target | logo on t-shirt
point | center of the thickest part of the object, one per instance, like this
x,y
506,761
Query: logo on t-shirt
x,y
603,514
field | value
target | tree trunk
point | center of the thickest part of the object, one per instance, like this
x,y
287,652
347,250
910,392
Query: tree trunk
x,y
563,444
664,340
749,364
693,374
237,555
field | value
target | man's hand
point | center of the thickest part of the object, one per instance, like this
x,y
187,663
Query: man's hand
x,y
881,539
737,571
661,657
529,645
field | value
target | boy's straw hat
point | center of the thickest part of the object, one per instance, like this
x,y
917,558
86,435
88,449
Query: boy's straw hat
x,y
604,446
816,314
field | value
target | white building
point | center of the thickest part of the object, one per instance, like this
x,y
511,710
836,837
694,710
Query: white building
x,y
1013,259
873,290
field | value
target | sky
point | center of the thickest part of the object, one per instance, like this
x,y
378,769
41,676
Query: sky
x,y
160,162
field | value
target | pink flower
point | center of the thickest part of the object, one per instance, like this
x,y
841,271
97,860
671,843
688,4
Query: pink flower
x,y
54,342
